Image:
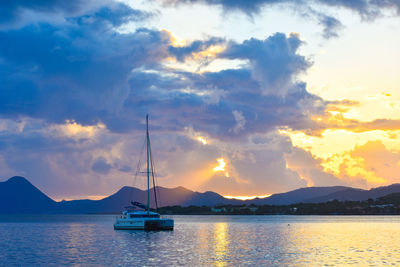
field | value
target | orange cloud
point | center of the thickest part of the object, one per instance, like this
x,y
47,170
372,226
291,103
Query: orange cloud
x,y
371,164
336,119
309,168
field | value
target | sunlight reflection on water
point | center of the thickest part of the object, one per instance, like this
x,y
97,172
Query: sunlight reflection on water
x,y
221,242
202,241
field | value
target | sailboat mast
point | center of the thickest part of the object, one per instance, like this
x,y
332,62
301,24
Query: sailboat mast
x,y
148,164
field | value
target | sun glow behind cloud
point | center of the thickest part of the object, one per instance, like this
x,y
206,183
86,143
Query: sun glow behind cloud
x,y
209,53
221,167
150,58
202,140
337,151
73,129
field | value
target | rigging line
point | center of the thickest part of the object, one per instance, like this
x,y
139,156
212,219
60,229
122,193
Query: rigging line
x,y
137,172
158,200
156,189
153,173
155,186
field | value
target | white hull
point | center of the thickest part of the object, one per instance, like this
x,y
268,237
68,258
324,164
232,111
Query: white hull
x,y
144,224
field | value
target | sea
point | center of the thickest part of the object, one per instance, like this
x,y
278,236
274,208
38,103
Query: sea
x,y
90,240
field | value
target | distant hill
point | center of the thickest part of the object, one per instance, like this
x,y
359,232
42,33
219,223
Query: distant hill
x,y
18,195
354,194
166,196
299,195
391,198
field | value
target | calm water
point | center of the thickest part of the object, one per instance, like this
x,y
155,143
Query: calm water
x,y
202,241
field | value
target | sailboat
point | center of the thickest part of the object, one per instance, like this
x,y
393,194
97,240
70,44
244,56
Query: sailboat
x,y
138,216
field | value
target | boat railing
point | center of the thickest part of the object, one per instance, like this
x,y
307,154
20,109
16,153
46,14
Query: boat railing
x,y
166,217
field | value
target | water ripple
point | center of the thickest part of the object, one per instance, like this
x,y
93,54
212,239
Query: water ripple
x,y
88,240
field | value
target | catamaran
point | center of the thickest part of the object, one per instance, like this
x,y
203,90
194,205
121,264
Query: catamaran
x,y
143,219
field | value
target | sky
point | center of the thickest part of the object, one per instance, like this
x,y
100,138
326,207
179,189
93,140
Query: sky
x,y
245,98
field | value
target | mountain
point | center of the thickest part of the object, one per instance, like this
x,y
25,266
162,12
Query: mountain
x,y
166,197
390,199
299,195
325,194
18,195
354,194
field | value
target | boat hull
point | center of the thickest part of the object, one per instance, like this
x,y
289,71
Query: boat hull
x,y
145,224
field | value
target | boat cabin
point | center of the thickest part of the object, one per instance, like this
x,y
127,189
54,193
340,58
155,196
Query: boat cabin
x,y
140,214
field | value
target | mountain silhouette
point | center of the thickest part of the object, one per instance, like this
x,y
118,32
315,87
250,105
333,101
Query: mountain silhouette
x,y
354,194
115,203
18,195
299,195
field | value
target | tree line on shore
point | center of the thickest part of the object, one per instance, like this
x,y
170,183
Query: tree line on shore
x,y
387,205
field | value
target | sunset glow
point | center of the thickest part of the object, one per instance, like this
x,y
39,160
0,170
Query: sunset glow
x,y
267,130
72,128
246,197
258,104
202,140
221,167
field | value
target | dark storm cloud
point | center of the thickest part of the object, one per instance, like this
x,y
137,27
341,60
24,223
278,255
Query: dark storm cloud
x,y
77,70
13,11
115,14
265,92
249,7
82,70
366,8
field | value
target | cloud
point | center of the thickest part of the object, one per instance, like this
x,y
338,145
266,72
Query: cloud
x,y
75,92
240,121
331,26
66,166
183,52
366,9
310,169
17,13
256,169
378,124
207,100
368,165
339,122
380,160
274,62
249,7
84,71
78,70
101,166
